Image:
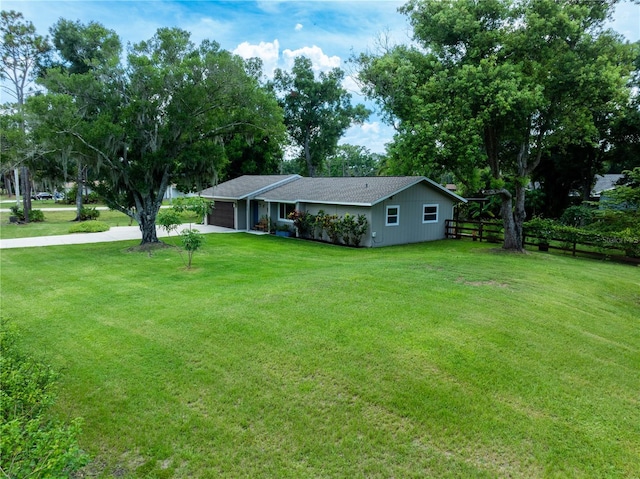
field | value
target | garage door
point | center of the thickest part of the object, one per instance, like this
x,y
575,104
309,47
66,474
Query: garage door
x,y
222,214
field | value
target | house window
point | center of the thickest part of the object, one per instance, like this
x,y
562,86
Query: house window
x,y
285,210
393,215
429,213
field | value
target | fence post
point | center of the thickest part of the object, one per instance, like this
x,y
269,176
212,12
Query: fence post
x,y
480,229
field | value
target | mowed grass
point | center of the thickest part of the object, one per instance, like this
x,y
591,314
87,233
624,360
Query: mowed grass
x,y
281,358
59,222
55,223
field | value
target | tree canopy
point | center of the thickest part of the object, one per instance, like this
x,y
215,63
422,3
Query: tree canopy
x,y
317,112
495,84
160,117
353,160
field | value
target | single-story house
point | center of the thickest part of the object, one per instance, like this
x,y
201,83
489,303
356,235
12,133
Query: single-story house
x,y
399,209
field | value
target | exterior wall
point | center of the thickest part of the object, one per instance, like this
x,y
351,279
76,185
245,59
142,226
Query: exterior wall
x,y
341,210
241,214
410,228
172,192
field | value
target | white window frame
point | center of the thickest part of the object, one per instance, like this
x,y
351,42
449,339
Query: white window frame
x,y
424,212
280,218
397,215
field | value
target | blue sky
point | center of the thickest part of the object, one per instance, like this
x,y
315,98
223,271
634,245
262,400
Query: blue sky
x,y
328,32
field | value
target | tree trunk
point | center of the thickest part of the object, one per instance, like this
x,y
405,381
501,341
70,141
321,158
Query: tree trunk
x,y
512,220
7,184
148,229
26,193
307,156
514,217
79,190
146,218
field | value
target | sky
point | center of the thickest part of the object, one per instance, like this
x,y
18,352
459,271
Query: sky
x,y
327,31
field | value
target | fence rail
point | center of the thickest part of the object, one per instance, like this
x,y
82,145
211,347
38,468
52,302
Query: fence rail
x,y
492,232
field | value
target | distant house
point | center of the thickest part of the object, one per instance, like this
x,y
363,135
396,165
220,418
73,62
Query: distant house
x,y
604,183
399,209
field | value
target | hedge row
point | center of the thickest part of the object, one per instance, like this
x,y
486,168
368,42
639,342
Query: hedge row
x,y
348,229
546,230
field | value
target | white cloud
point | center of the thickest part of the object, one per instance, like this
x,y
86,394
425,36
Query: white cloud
x,y
349,83
299,27
373,135
321,61
371,127
268,52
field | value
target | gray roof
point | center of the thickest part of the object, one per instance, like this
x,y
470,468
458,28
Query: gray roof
x,y
604,183
362,191
246,186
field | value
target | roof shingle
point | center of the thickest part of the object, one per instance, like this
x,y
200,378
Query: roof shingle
x,y
364,191
246,186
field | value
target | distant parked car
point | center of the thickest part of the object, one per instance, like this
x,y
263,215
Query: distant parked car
x,y
43,195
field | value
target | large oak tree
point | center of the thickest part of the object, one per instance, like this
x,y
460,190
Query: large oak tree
x,y
162,117
497,83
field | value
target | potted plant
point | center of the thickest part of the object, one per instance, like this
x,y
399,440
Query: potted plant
x,y
542,230
283,230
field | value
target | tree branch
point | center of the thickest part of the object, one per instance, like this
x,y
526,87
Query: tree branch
x,y
91,147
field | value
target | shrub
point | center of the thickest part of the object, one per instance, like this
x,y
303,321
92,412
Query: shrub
x,y
577,216
331,224
35,216
191,242
89,227
348,229
31,443
353,228
89,214
304,223
283,227
544,230
70,196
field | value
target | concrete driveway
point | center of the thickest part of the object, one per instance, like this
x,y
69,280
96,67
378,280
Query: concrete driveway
x,y
116,233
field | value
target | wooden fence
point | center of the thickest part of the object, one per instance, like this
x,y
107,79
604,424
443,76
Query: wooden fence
x,y
492,232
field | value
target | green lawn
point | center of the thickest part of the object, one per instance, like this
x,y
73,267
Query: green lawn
x,y
281,358
55,223
59,222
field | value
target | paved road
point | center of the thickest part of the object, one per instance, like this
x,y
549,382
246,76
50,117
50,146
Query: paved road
x,y
116,233
61,208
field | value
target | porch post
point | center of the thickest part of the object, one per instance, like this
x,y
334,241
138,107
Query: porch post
x,y
248,214
268,216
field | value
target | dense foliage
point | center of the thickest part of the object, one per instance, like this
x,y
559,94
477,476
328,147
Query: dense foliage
x,y
495,85
317,112
614,222
348,229
352,160
35,216
31,443
89,227
161,117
